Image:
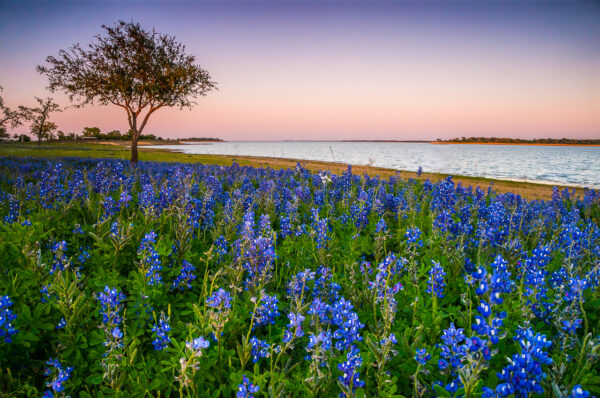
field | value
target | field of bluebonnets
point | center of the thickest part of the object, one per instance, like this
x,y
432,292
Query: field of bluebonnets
x,y
196,280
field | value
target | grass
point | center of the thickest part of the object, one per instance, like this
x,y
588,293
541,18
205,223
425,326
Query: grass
x,y
121,151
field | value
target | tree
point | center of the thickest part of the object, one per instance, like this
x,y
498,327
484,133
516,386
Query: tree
x,y
41,126
131,68
43,131
12,118
91,132
114,135
22,137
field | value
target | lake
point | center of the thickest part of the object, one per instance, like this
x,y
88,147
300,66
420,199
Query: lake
x,y
568,165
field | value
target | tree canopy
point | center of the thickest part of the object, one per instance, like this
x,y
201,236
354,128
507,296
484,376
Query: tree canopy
x,y
41,126
137,70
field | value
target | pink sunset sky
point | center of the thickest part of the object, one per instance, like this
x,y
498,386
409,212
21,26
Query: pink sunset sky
x,y
340,70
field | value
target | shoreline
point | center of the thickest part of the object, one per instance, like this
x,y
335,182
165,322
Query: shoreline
x,y
526,189
508,143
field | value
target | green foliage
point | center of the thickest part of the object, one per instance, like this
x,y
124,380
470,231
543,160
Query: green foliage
x,y
192,207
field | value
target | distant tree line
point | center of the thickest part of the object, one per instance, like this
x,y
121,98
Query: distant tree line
x,y
498,140
200,139
114,135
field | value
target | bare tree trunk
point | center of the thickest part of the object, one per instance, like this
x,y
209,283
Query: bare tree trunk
x,y
40,138
134,149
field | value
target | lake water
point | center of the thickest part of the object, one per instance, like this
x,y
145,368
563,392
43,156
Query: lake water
x,y
569,165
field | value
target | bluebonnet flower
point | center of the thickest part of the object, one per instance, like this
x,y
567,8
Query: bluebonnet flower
x,y
124,199
318,345
61,324
264,225
324,287
489,321
220,299
385,285
147,199
186,276
575,288
475,345
190,362
110,207
115,229
255,251
60,262
285,226
320,229
350,379
422,357
219,308
77,230
390,339
6,318
524,373
221,246
500,281
46,296
436,283
298,285
257,256
419,171
116,333
381,226
320,309
111,301
348,324
83,256
267,311
150,259
246,389
61,376
413,237
198,343
453,349
14,208
571,327
161,333
294,327
260,349
578,392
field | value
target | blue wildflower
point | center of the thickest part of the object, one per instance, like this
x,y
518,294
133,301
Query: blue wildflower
x,y
161,333
61,375
435,283
350,379
422,357
150,259
186,276
7,330
246,389
221,299
260,349
267,311
61,324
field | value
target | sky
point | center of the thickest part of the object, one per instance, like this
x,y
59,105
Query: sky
x,y
331,70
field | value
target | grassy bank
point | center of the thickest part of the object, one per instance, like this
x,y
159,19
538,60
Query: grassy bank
x,y
119,150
